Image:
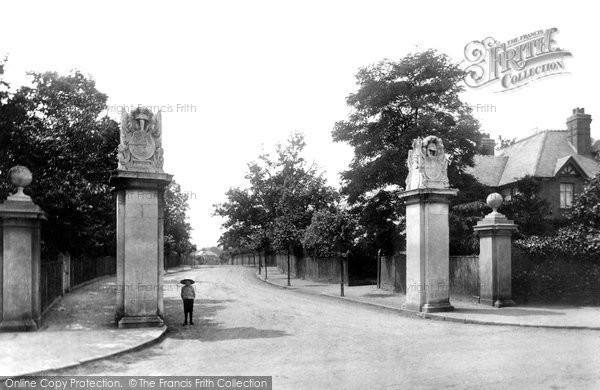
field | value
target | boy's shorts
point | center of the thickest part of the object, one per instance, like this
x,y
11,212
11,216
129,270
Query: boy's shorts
x,y
188,305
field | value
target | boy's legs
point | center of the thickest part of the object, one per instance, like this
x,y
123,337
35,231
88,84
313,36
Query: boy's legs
x,y
185,312
188,308
191,310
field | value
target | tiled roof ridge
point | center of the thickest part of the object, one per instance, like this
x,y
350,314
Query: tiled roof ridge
x,y
538,132
544,131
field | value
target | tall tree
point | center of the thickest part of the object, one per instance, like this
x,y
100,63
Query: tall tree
x,y
177,228
396,102
330,233
55,129
284,191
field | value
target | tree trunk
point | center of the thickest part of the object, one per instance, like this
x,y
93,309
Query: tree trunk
x,y
288,267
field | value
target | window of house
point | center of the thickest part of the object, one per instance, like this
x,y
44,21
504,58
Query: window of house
x,y
509,193
566,195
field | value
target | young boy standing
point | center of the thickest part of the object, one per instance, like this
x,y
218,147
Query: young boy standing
x,y
188,294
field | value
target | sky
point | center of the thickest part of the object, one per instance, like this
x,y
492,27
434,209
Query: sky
x,y
233,78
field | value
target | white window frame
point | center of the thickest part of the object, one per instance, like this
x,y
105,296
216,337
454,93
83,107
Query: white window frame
x,y
567,191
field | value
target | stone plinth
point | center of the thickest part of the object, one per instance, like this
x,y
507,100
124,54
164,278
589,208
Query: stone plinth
x,y
495,245
427,249
140,247
20,298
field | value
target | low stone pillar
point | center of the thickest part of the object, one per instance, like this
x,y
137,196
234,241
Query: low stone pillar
x,y
495,246
427,197
20,268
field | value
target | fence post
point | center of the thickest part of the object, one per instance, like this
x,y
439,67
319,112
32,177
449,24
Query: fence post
x,y
342,274
259,265
288,266
395,288
66,274
379,268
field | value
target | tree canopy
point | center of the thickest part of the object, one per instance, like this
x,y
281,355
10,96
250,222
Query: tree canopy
x,y
55,127
396,102
273,212
330,233
177,228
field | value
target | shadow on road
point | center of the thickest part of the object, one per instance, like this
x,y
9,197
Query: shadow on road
x,y
205,327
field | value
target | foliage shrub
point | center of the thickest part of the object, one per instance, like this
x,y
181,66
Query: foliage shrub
x,y
580,238
329,234
555,278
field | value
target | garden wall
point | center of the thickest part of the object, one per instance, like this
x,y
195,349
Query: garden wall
x,y
558,279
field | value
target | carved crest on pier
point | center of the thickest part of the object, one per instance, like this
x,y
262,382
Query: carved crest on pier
x,y
427,164
140,148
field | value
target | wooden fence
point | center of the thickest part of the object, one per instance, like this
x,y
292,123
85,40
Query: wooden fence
x,y
326,270
60,276
51,282
464,274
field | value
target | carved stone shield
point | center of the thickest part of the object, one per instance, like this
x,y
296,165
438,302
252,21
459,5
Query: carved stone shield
x,y
142,145
434,169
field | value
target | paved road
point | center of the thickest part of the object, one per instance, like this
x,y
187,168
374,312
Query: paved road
x,y
245,327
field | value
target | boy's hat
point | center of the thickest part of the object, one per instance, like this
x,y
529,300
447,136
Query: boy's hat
x,y
187,280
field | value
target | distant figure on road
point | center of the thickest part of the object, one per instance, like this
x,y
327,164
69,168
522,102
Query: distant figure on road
x,y
188,294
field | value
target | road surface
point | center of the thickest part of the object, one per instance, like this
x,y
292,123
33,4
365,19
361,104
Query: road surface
x,y
246,327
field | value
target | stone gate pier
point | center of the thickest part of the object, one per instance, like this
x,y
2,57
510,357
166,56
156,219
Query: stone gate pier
x,y
427,197
20,257
495,246
140,183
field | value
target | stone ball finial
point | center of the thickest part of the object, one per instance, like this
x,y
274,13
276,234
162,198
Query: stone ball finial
x,y
20,177
494,200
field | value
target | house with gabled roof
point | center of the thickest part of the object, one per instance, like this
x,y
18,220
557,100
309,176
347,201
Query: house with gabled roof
x,y
208,257
564,160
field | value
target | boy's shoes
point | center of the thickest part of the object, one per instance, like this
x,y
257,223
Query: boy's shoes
x,y
185,323
191,322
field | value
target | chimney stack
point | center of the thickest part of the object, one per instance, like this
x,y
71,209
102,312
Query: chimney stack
x,y
578,126
487,145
